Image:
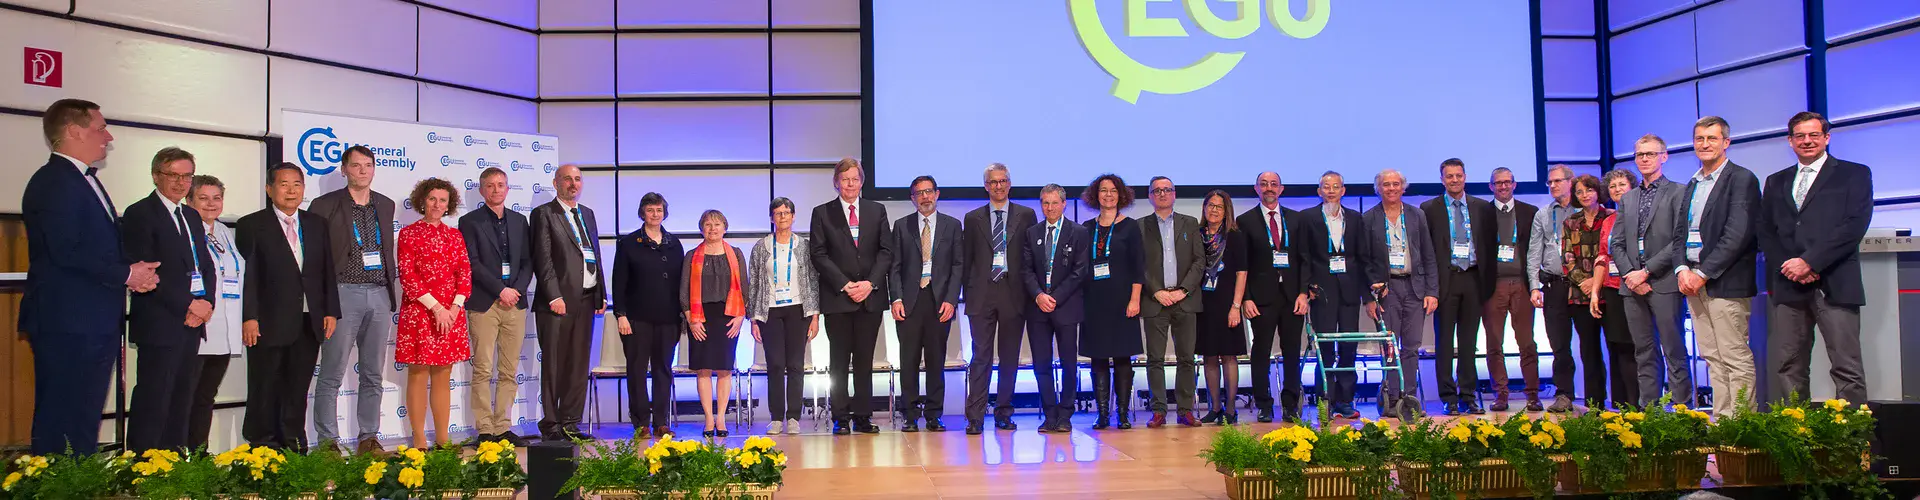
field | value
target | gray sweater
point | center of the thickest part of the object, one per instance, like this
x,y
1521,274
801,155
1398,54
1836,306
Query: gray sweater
x,y
760,270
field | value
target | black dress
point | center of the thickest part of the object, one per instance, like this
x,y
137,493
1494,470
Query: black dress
x,y
1107,332
717,352
1214,337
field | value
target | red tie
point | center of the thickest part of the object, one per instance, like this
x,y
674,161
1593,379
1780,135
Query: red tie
x,y
1273,230
853,220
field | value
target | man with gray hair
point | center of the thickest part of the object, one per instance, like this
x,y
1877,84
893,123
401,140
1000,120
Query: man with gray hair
x,y
1406,278
995,299
1057,253
1335,249
1175,265
1715,261
1513,228
1644,233
1548,280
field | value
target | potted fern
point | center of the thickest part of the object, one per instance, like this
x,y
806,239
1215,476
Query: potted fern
x,y
1534,449
1455,459
493,471
1659,449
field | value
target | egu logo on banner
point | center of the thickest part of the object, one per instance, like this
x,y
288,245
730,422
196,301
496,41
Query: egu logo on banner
x,y
319,152
1130,77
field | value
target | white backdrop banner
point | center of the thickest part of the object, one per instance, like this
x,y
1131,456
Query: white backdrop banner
x,y
404,154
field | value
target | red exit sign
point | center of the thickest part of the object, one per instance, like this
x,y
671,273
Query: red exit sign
x,y
43,67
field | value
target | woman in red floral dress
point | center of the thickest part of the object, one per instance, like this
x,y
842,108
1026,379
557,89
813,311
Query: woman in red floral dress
x,y
435,279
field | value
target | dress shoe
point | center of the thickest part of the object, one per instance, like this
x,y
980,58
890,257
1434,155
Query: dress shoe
x,y
1212,417
1186,419
1102,423
371,446
662,430
475,441
709,434
1159,420
1292,415
975,428
1533,405
1266,416
573,433
511,438
1452,410
841,428
865,427
721,433
1005,424
934,425
909,427
1472,408
1232,419
1561,404
1498,405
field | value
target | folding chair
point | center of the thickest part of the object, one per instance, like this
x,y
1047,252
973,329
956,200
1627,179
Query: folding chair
x,y
1388,342
884,352
743,377
612,362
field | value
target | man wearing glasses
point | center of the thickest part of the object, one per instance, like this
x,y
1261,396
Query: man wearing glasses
x,y
1818,282
1645,231
995,298
1462,248
1715,261
1174,269
1548,280
1335,246
1513,229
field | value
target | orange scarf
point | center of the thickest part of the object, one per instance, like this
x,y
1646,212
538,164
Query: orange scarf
x,y
736,306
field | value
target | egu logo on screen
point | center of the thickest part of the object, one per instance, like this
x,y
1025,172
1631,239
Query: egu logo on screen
x,y
1130,77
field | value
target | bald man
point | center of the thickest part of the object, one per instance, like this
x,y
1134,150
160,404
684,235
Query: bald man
x,y
569,291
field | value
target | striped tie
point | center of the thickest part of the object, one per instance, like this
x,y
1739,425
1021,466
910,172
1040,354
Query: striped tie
x,y
999,242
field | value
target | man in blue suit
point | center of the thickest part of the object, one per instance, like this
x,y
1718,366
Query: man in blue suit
x,y
168,322
73,310
1058,263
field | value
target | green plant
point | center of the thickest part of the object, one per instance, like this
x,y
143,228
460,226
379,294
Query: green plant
x,y
356,476
1234,450
1532,448
757,462
69,476
1606,446
493,465
1843,432
421,474
194,475
1773,433
1367,452
247,470
691,468
1449,451
606,467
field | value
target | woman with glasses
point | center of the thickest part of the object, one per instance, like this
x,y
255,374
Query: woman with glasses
x,y
1110,335
1583,250
784,301
710,288
646,299
1220,337
1622,369
222,342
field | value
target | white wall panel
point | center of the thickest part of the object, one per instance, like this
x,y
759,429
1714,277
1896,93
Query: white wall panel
x,y
1874,76
814,63
1624,12
1566,18
816,13
693,64
1901,216
576,65
585,129
1570,68
239,22
1669,112
1654,54
463,108
19,30
46,5
816,131
1849,17
597,191
307,86
459,50
20,136
730,132
1736,31
1573,131
1889,148
382,36
806,187
1764,157
238,163
161,80
575,14
690,192
703,13
522,13
1759,99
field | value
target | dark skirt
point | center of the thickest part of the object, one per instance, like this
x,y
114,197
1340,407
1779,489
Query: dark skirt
x,y
715,353
1213,336
1107,332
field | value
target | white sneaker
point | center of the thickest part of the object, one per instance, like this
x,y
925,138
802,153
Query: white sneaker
x,y
793,426
776,427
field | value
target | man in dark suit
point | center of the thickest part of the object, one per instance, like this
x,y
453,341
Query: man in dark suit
x,y
167,323
570,291
1643,232
1335,247
994,297
361,221
926,291
1057,253
853,254
1512,235
1403,270
1175,266
77,281
290,303
1715,261
1463,249
1818,282
496,238
1272,283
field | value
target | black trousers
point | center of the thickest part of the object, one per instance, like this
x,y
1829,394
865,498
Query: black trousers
x,y
649,351
71,372
784,334
1593,356
277,381
1276,319
923,341
1331,317
1456,327
1622,369
1559,317
851,339
213,370
567,344
995,332
1055,341
163,397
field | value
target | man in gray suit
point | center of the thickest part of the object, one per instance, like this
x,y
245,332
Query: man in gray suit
x,y
1174,269
926,289
1715,261
1644,231
1403,269
995,298
570,290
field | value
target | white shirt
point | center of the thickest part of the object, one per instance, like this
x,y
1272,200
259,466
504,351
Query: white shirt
x,y
573,226
1504,206
98,191
173,209
846,205
1336,226
298,246
931,222
223,331
1802,177
1278,223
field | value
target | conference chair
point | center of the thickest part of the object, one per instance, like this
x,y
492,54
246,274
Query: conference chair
x,y
611,363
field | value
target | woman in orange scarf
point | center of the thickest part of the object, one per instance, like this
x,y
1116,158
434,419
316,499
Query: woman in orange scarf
x,y
715,306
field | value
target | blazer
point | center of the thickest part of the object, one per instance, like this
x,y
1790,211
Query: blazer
x,y
1624,246
483,246
337,208
947,266
559,260
1071,270
982,295
277,286
841,261
156,318
1831,245
1268,286
1727,225
761,267
76,272
1316,252
1421,265
1480,212
646,278
1188,254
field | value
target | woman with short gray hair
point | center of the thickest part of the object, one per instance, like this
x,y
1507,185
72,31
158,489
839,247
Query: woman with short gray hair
x,y
784,302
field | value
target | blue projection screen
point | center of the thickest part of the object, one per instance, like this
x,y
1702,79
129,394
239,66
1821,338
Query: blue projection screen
x,y
1205,91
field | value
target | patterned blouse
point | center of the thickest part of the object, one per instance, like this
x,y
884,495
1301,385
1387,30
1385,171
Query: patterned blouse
x,y
1583,247
794,263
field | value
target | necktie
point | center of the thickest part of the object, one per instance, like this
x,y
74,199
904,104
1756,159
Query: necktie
x,y
853,221
293,242
1647,193
926,247
94,181
1273,231
1460,235
1052,232
580,224
999,242
1801,185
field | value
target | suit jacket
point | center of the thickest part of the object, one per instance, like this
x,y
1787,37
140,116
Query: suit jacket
x,y
559,260
337,208
77,275
1439,229
156,318
1624,247
483,246
277,287
1316,249
1831,244
1421,263
947,266
983,296
840,261
1727,225
1189,253
1267,286
1071,265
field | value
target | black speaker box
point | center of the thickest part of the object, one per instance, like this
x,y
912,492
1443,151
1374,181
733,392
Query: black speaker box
x,y
1895,440
549,465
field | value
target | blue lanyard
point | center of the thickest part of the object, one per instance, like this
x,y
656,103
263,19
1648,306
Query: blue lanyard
x,y
358,241
1330,237
1515,241
1556,222
1453,233
1403,228
225,248
1053,238
1282,220
791,241
193,252
1106,248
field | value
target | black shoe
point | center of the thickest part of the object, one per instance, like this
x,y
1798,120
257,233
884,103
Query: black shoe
x,y
709,434
975,428
934,425
1232,419
1126,422
1266,416
513,439
1452,409
1212,417
909,427
1005,424
1472,408
865,427
841,428
722,433
477,439
1291,415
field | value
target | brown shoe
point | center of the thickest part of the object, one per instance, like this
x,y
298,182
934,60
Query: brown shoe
x,y
662,430
1159,420
371,446
1187,419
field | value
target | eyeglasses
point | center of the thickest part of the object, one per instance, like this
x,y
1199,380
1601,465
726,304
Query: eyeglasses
x,y
1508,182
1158,191
923,192
999,182
173,177
1808,135
1647,155
1551,182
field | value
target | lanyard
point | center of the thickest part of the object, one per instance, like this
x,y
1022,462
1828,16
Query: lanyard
x,y
1282,220
791,241
1556,223
1106,247
1330,237
1515,241
222,247
1453,233
1390,234
1053,237
193,252
356,236
578,226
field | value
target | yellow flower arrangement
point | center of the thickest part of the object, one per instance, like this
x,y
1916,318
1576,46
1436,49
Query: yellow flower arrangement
x,y
1634,416
1300,436
414,455
748,459
759,443
412,477
1610,415
1795,413
1836,404
375,472
1460,433
12,479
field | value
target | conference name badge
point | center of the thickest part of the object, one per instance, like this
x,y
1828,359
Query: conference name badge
x,y
926,269
230,288
370,260
506,271
591,256
1397,259
1101,271
198,288
1460,250
1694,240
1613,268
1280,260
1337,265
855,231
1506,253
1000,259
1213,281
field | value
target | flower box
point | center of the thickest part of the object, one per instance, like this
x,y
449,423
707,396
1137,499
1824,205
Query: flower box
x,y
1328,483
750,491
1686,471
1747,467
1498,479
484,493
